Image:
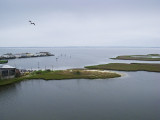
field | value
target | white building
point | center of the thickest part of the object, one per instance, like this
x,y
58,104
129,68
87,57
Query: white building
x,y
18,55
7,71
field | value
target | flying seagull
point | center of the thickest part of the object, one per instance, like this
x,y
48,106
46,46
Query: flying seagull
x,y
32,22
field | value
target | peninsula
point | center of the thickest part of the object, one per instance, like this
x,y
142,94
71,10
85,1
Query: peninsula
x,y
62,75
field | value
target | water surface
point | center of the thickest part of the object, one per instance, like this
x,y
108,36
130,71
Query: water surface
x,y
74,57
134,96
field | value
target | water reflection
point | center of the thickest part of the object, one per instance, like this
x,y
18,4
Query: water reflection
x,y
4,90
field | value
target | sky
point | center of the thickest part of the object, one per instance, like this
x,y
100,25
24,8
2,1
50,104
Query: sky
x,y
79,23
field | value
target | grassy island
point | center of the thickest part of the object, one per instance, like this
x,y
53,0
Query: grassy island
x,y
63,74
127,67
3,61
149,57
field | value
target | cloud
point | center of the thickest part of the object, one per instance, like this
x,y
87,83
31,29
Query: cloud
x,y
80,23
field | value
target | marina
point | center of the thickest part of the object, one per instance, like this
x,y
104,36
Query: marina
x,y
24,55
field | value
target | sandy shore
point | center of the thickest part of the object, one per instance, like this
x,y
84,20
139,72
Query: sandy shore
x,y
107,71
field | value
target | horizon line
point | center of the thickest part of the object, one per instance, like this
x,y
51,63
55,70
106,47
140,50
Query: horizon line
x,y
80,46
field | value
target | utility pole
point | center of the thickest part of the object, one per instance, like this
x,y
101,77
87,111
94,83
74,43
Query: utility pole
x,y
38,65
52,67
14,64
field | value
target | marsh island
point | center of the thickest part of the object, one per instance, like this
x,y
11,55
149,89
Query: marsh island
x,y
148,57
150,67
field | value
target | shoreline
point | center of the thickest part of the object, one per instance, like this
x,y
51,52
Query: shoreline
x,y
63,75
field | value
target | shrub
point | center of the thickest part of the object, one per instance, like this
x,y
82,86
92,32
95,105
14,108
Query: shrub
x,y
48,70
77,72
39,72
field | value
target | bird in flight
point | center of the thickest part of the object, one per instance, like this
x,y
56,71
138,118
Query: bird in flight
x,y
32,22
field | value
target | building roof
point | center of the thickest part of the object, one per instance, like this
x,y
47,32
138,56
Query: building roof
x,y
6,66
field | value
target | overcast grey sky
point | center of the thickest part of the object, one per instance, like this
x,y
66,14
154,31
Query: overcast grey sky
x,y
79,23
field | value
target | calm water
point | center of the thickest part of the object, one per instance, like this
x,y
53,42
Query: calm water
x,y
136,96
72,57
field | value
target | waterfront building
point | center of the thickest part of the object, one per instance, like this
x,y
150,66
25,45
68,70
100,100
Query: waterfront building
x,y
37,55
23,55
46,53
7,71
43,54
18,55
8,56
29,54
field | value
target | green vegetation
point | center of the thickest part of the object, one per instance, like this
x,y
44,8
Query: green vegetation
x,y
149,57
10,81
128,67
3,61
62,74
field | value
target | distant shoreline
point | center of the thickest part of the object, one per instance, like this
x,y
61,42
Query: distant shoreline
x,y
148,57
8,56
150,67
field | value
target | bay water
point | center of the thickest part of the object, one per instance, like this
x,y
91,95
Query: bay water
x,y
134,96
